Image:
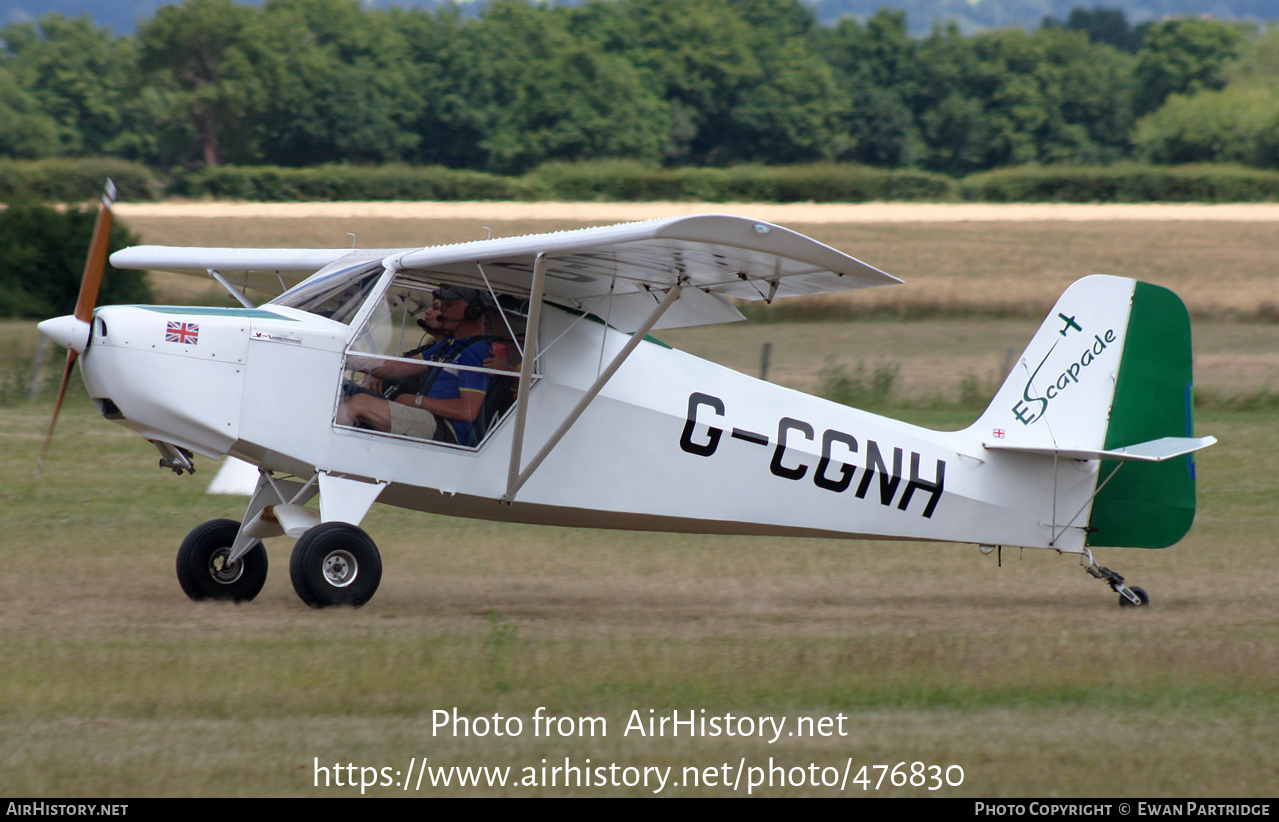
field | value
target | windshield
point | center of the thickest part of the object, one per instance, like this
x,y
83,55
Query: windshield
x,y
434,362
336,291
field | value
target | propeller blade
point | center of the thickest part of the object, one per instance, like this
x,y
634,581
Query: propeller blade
x,y
57,407
96,262
90,283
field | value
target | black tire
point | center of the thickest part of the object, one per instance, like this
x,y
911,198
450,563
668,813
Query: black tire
x,y
335,563
201,569
1124,602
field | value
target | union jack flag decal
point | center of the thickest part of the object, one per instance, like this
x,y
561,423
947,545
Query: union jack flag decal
x,y
998,433
184,333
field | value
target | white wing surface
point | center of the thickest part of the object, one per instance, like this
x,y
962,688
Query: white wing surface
x,y
274,270
620,272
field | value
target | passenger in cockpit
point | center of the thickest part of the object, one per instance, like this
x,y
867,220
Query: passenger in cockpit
x,y
430,319
432,402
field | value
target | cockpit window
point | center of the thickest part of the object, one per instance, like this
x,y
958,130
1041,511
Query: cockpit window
x,y
336,291
434,362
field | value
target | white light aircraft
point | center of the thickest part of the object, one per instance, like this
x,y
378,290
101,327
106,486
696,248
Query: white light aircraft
x,y
515,379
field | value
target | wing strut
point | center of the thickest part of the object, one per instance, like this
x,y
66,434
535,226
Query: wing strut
x,y
515,482
231,289
531,352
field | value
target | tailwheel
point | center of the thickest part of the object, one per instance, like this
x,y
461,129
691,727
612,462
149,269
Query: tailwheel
x,y
1142,597
204,571
335,563
1128,597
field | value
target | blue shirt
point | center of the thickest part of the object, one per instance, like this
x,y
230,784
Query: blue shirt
x,y
449,383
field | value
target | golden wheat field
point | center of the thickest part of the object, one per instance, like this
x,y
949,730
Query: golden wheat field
x,y
927,670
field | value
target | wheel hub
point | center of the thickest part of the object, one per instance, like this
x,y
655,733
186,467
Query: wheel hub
x,y
222,571
340,568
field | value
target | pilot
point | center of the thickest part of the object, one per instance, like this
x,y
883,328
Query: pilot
x,y
429,402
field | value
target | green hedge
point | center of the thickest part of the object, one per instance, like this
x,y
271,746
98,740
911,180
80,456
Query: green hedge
x,y
1127,183
609,180
624,181
43,261
341,182
65,180
839,183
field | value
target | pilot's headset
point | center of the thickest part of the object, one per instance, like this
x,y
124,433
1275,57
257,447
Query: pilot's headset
x,y
478,303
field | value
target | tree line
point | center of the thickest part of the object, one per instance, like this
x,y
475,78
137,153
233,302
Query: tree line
x,y
670,83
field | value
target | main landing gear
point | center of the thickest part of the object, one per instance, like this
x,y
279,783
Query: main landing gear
x,y
1133,597
333,563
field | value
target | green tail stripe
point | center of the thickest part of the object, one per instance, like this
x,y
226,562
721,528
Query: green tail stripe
x,y
1149,504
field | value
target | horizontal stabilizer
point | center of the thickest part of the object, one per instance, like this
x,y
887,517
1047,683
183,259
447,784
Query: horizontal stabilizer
x,y
1164,448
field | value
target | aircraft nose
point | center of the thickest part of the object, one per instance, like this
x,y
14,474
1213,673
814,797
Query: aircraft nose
x,y
68,332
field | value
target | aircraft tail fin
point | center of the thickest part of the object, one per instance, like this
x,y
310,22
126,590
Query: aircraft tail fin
x,y
1108,376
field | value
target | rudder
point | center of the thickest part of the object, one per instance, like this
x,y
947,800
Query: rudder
x,y
1149,505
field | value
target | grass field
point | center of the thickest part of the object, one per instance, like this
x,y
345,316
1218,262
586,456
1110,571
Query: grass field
x,y
1028,676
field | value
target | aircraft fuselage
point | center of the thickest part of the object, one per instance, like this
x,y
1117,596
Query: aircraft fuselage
x,y
672,442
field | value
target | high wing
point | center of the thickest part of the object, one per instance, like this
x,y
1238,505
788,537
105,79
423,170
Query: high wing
x,y
618,272
273,270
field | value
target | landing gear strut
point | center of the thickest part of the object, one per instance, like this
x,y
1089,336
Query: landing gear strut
x,y
1133,597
